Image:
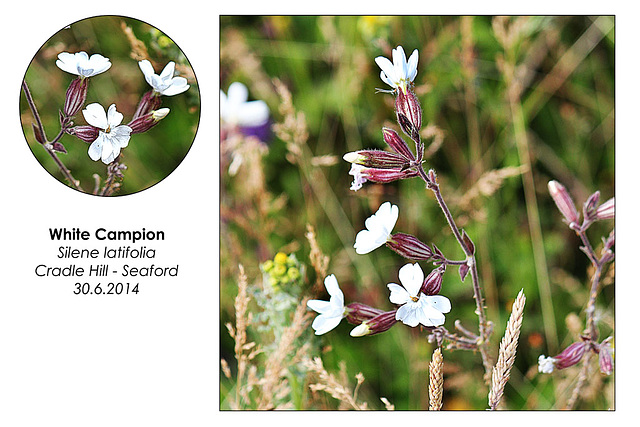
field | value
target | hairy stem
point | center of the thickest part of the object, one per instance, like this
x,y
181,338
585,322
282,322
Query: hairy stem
x,y
483,328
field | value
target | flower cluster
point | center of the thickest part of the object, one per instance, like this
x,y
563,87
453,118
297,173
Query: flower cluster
x,y
104,130
416,298
591,212
400,163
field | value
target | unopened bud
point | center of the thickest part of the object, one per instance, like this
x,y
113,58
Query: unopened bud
x,y
589,207
356,313
75,98
149,102
605,358
86,133
571,355
433,282
382,175
147,121
58,147
607,210
563,201
409,113
375,325
377,159
397,144
409,247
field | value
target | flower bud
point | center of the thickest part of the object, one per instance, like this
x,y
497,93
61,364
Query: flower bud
x,y
147,121
433,282
607,210
589,207
58,147
381,175
571,355
356,313
377,159
409,113
610,241
375,325
150,101
397,144
409,247
563,201
76,96
86,133
605,359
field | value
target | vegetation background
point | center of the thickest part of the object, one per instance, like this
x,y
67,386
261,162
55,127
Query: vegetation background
x,y
508,104
150,156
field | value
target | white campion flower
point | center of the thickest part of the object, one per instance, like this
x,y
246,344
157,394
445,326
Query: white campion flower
x,y
112,136
235,110
379,227
81,64
401,72
332,311
417,307
165,83
358,177
546,364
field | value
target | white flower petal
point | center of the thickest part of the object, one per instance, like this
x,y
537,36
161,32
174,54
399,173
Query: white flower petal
x,y
253,113
331,283
147,69
107,154
114,118
319,306
120,136
167,72
237,93
379,227
407,315
95,115
177,86
439,302
323,324
412,66
411,277
95,149
399,295
66,62
430,316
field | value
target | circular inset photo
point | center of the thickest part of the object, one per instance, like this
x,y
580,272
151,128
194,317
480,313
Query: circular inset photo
x,y
109,105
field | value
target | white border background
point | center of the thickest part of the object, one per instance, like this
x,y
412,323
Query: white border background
x,y
152,359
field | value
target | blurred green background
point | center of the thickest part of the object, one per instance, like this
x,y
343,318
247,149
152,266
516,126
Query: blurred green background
x,y
150,156
559,71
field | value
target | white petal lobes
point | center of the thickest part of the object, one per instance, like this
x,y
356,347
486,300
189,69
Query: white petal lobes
x,y
95,149
114,118
439,302
411,277
323,324
319,306
399,295
167,72
432,316
147,69
407,315
177,86
331,284
95,115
